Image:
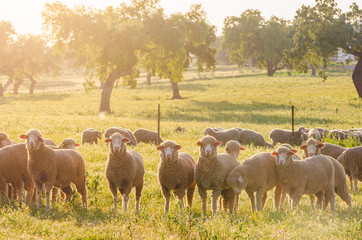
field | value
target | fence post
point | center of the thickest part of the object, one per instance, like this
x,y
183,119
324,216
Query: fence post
x,y
292,125
158,125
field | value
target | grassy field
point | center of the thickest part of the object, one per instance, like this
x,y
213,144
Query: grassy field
x,y
228,98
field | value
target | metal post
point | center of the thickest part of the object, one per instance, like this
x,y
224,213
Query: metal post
x,y
293,125
158,125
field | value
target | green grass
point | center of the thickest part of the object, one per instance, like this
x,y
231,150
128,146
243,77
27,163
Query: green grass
x,y
227,98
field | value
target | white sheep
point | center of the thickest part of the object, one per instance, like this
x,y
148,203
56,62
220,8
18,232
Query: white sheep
x,y
176,173
124,170
351,160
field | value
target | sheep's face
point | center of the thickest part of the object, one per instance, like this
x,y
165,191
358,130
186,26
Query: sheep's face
x,y
117,143
208,147
169,151
34,139
283,156
311,147
207,131
233,148
98,134
237,180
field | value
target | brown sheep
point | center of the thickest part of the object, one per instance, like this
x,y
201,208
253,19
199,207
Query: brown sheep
x,y
248,136
54,167
176,172
285,136
147,136
91,136
332,150
124,170
351,160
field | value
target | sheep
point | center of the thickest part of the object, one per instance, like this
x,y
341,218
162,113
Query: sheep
x,y
126,132
54,168
211,172
332,150
257,174
313,147
338,134
285,136
5,141
68,143
180,129
248,136
124,170
49,142
351,160
91,136
314,134
233,148
176,172
147,136
223,136
323,132
13,170
314,175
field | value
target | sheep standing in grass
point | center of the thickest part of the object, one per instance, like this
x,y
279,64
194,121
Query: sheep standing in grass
x,y
338,134
285,136
147,136
54,167
91,136
211,172
323,132
223,136
314,175
124,170
351,160
313,147
248,136
332,150
176,173
125,132
257,174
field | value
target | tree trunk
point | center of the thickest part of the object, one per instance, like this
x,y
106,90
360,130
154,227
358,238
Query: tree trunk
x,y
10,81
270,68
314,71
175,91
105,105
357,77
17,85
1,90
32,85
149,75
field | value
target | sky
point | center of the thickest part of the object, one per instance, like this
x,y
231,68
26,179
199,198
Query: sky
x,y
25,15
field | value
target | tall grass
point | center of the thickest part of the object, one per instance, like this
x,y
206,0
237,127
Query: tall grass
x,y
227,98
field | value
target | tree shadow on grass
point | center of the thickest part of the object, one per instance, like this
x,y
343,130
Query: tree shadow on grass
x,y
49,96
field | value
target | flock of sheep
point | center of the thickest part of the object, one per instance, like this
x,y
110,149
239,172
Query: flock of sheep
x,y
39,166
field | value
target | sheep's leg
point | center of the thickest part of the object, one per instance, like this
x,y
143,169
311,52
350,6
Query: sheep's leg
x,y
282,199
113,190
39,190
82,190
180,193
296,196
190,194
330,197
277,196
203,196
166,194
9,190
260,198
355,184
126,193
231,200
311,197
320,199
4,189
48,188
252,199
264,200
236,205
138,196
215,195
20,191
68,193
55,190
224,200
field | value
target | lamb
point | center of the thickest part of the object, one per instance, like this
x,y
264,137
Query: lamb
x,y
332,150
257,174
285,136
126,132
68,143
314,175
5,141
223,136
211,172
313,147
351,160
176,172
248,136
13,170
54,168
147,136
124,170
91,136
314,134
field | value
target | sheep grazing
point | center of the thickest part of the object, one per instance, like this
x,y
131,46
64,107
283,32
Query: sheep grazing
x,y
338,134
176,173
314,134
285,136
313,147
233,148
332,150
323,132
211,172
314,175
147,136
223,136
249,136
13,170
257,174
125,132
68,143
351,160
4,140
91,136
124,170
54,168
180,129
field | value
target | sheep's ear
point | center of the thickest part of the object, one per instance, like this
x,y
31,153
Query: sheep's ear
x,y
198,143
159,148
23,136
126,140
242,149
292,152
218,143
320,144
41,139
76,145
303,145
274,153
108,140
178,147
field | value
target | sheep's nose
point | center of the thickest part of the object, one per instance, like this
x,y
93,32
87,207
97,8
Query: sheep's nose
x,y
168,156
311,154
207,152
116,149
32,144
